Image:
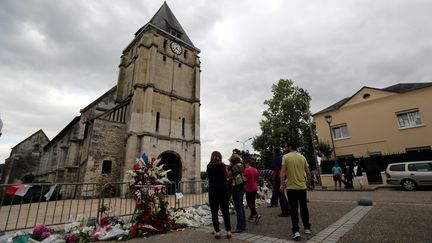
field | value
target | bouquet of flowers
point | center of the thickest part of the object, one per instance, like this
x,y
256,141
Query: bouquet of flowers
x,y
41,232
148,188
78,232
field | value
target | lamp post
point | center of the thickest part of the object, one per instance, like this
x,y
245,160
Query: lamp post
x,y
243,142
328,119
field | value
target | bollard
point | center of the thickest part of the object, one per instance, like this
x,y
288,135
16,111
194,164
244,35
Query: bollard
x,y
365,201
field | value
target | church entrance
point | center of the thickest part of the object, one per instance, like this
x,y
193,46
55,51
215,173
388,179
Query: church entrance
x,y
171,161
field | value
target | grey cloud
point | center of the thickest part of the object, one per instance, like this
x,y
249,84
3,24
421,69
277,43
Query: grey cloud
x,y
330,48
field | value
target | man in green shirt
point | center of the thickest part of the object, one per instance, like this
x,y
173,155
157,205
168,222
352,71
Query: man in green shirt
x,y
295,167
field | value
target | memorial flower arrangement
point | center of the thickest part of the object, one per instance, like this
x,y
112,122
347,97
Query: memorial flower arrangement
x,y
148,188
41,232
78,232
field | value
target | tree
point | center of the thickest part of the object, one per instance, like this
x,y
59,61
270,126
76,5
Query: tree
x,y
324,148
286,119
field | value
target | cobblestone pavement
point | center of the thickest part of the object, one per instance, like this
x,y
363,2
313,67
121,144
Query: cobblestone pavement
x,y
396,216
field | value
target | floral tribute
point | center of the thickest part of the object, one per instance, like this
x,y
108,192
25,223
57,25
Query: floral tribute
x,y
78,232
41,232
148,188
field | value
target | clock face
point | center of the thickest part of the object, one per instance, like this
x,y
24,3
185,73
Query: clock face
x,y
176,48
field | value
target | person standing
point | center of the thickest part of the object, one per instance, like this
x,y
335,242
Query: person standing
x,y
358,174
295,167
277,194
337,175
348,176
252,176
218,193
238,191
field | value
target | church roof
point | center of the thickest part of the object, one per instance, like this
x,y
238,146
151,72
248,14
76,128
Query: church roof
x,y
39,131
397,88
63,131
165,20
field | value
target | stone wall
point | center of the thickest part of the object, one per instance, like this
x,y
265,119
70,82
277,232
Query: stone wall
x,y
24,158
107,144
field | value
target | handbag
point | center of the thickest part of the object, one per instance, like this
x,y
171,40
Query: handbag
x,y
240,179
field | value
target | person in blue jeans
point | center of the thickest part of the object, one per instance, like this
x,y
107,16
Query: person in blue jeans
x,y
238,191
277,194
337,175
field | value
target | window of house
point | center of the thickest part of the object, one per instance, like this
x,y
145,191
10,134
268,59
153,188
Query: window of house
x,y
340,132
164,58
157,121
184,53
418,149
106,166
366,96
165,44
179,65
183,127
409,118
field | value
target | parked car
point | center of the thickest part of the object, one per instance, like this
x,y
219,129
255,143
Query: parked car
x,y
410,175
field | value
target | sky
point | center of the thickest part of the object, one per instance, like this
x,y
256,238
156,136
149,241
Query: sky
x,y
57,56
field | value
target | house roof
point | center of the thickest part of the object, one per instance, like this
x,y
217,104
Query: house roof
x,y
165,21
406,87
39,131
63,131
397,88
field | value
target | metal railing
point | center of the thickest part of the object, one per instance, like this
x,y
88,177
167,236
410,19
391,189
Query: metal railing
x,y
70,201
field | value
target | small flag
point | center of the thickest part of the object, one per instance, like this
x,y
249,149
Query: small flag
x,y
179,195
50,192
18,189
32,190
144,158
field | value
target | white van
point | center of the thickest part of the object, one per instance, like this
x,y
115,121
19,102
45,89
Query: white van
x,y
410,174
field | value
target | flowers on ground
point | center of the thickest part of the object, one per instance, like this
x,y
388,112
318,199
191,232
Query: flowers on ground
x,y
41,232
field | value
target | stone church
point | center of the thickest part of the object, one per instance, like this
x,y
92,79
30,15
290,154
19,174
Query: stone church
x,y
154,108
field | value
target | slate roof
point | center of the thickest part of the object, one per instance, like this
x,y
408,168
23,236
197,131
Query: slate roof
x,y
406,87
165,20
397,88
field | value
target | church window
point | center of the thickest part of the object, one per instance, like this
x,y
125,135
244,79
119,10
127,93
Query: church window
x,y
106,167
164,58
86,128
165,44
183,127
179,65
184,54
157,121
176,33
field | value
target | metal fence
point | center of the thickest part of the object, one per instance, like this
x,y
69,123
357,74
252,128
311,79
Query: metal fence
x,y
70,201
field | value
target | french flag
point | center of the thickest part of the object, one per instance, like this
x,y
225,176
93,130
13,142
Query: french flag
x,y
18,189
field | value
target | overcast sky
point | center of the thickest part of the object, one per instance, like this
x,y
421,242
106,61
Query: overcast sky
x,y
57,56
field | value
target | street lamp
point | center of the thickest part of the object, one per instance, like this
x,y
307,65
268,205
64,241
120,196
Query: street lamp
x,y
328,119
243,142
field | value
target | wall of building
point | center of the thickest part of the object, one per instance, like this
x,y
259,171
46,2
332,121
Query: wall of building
x,y
107,143
373,126
24,158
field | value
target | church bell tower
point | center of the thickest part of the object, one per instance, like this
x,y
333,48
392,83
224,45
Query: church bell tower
x,y
159,83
